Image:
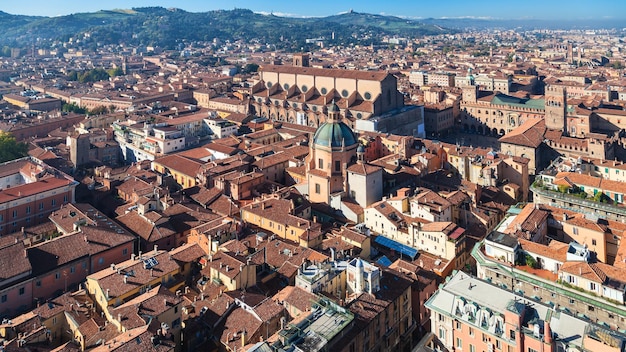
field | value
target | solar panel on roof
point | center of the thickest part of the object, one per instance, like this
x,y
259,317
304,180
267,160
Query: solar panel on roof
x,y
150,263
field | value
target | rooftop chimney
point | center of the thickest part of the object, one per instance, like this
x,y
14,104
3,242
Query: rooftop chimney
x,y
547,332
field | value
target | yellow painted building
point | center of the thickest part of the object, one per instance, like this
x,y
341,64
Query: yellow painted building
x,y
224,269
274,215
184,171
119,283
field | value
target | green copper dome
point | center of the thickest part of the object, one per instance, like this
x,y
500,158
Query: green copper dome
x,y
334,134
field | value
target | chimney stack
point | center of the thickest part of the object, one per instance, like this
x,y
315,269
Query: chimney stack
x,y
547,332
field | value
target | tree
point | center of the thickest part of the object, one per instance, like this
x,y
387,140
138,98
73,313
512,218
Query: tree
x,y
99,110
10,149
510,57
114,72
601,198
72,107
249,68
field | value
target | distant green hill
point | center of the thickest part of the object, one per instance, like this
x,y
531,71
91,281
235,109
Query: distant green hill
x,y
387,24
168,27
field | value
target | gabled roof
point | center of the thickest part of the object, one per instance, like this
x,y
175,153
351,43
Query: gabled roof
x,y
529,134
325,72
13,261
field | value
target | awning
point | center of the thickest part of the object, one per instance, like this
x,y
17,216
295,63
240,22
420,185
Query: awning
x,y
397,246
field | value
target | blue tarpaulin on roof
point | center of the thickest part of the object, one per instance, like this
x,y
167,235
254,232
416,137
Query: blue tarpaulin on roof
x,y
396,246
384,261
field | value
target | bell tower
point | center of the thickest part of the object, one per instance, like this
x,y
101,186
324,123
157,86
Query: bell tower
x,y
301,60
556,108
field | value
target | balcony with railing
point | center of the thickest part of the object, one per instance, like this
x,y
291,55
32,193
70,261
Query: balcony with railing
x,y
577,200
548,285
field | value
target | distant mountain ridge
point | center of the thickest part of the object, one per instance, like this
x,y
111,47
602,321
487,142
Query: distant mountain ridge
x,y
525,24
168,27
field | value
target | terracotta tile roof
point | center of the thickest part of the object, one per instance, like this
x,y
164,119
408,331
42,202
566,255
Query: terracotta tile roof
x,y
146,229
352,235
153,303
337,73
614,276
445,227
137,273
352,205
180,164
29,189
456,197
364,168
234,324
13,261
585,270
529,219
224,206
337,243
432,199
574,178
226,264
234,246
529,134
296,297
134,184
430,262
220,148
187,253
285,257
135,340
196,154
561,141
392,285
11,168
556,250
62,250
72,303
223,224
268,309
202,195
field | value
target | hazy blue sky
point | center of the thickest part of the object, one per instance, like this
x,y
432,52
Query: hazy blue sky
x,y
540,9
